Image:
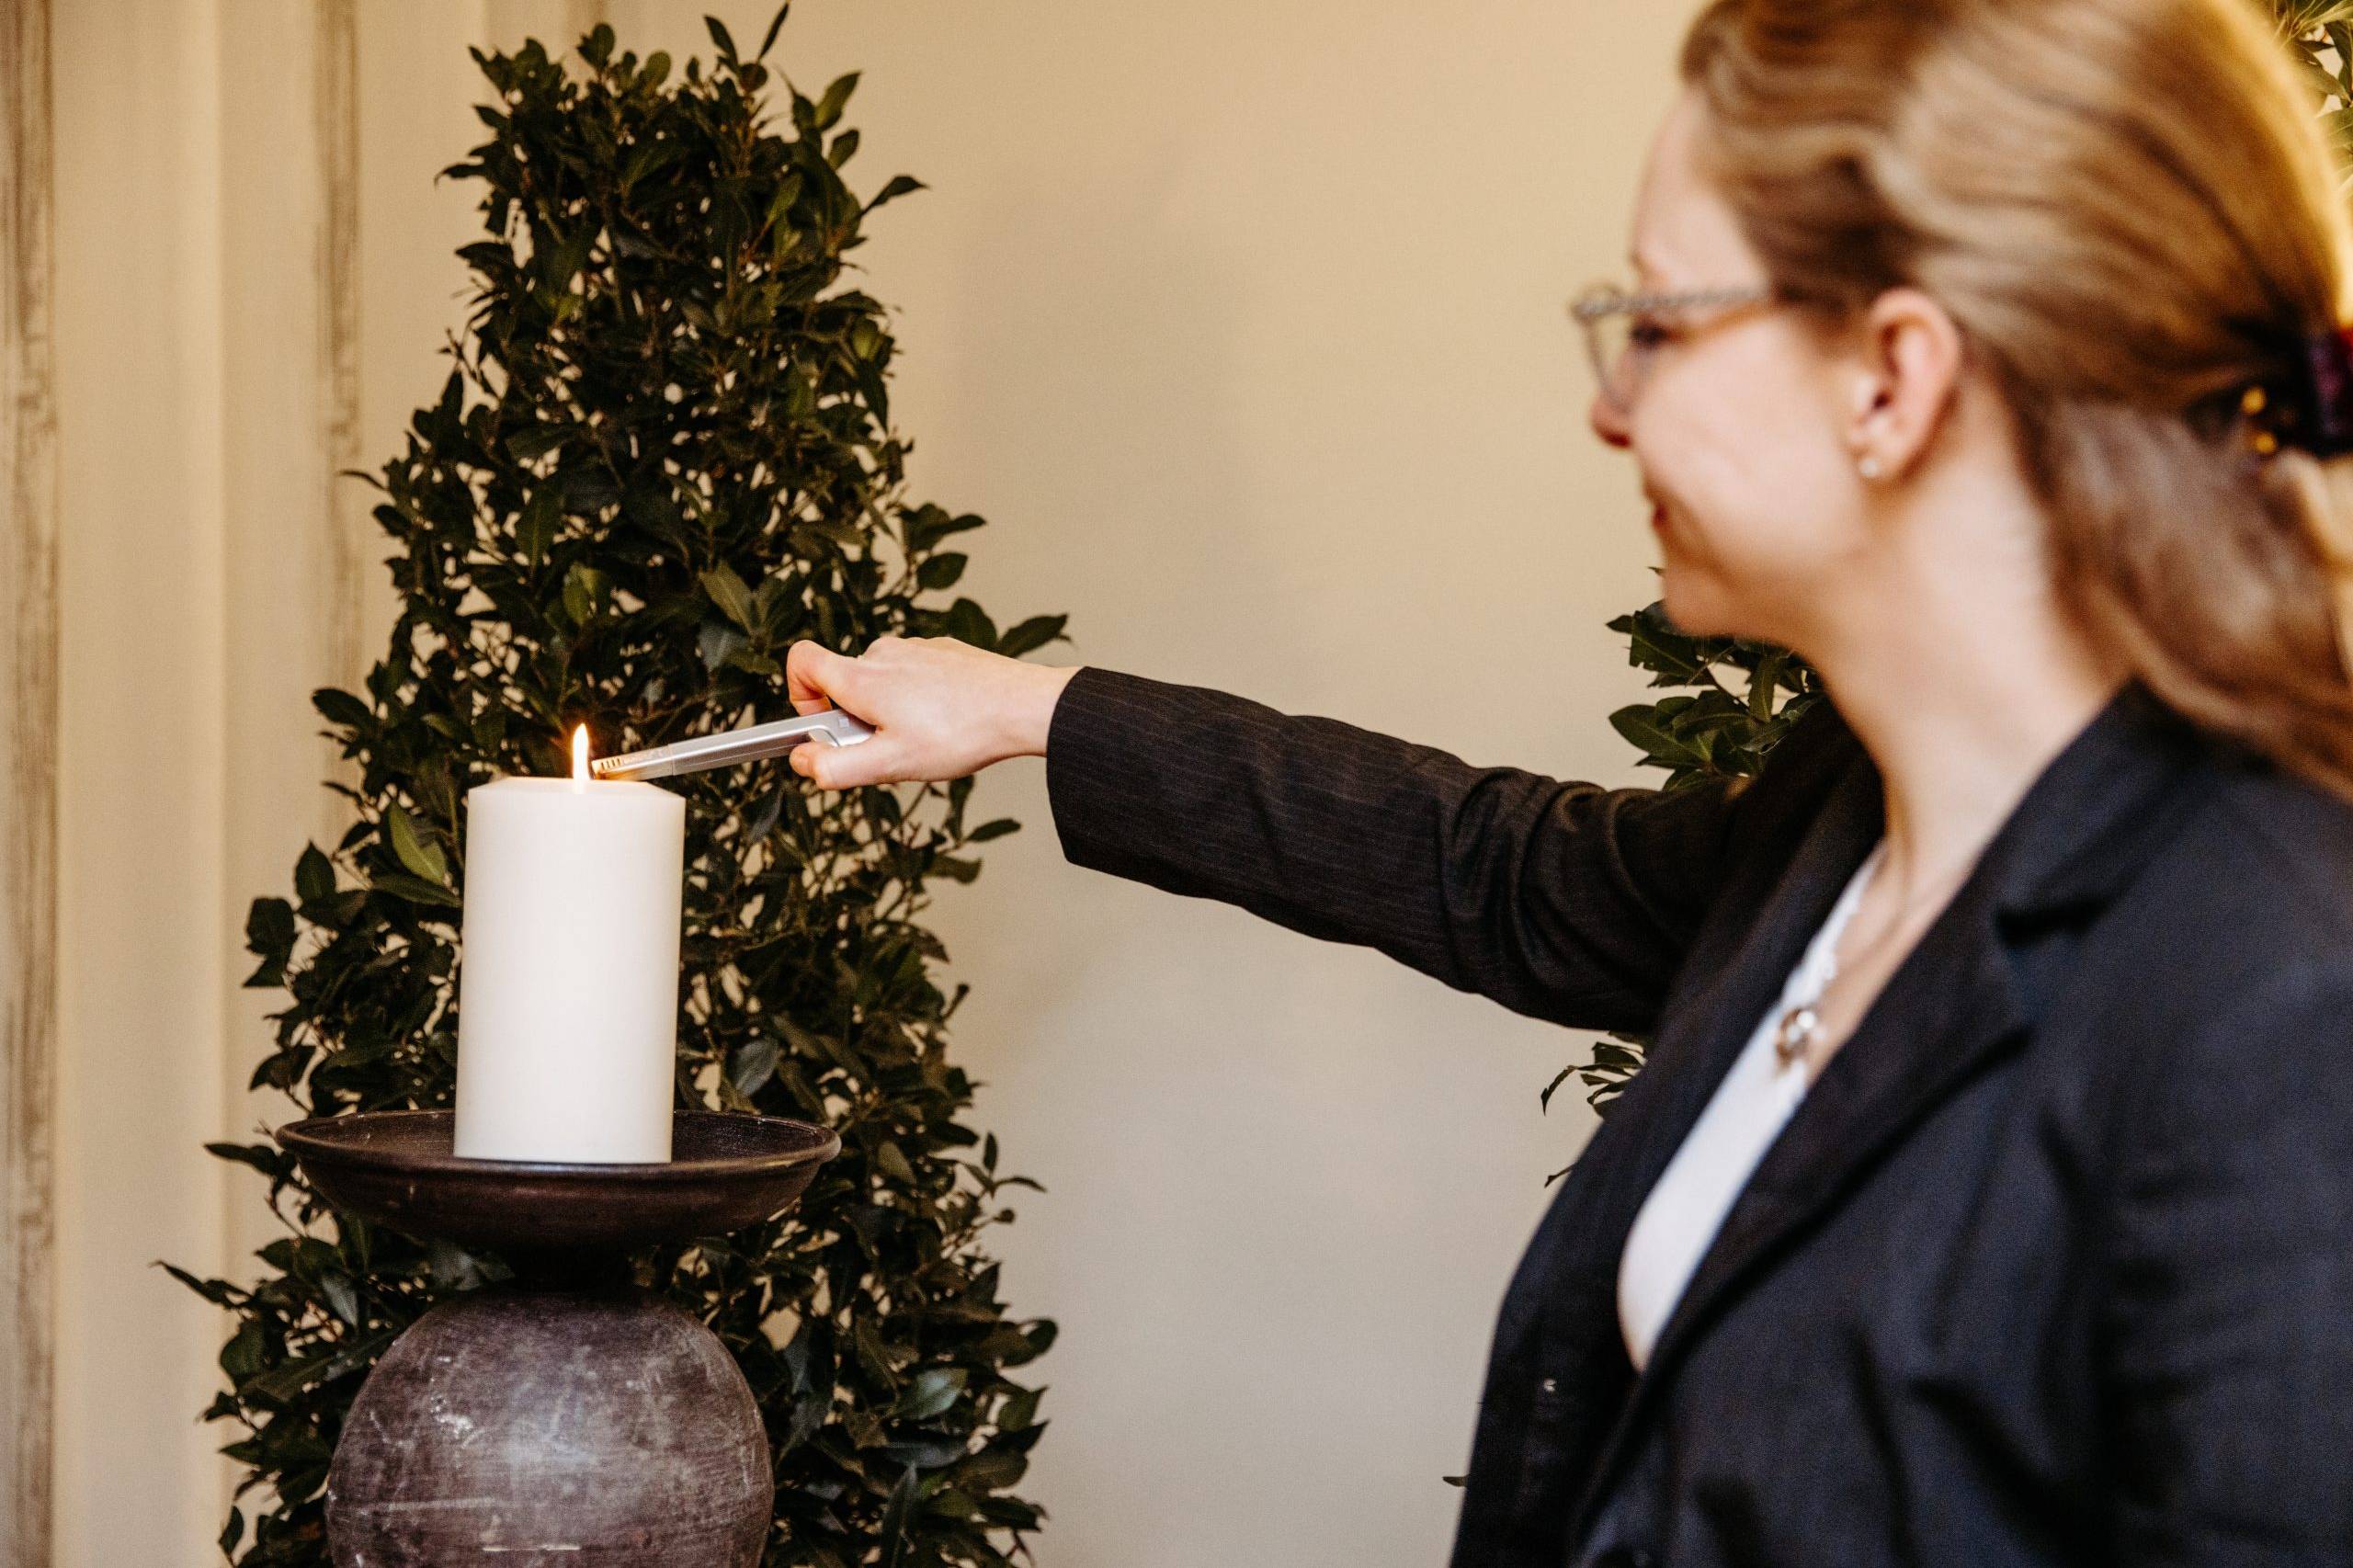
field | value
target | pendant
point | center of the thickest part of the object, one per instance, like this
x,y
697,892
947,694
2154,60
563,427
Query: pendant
x,y
1800,1028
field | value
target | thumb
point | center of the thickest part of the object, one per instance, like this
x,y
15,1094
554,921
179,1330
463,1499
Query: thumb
x,y
844,767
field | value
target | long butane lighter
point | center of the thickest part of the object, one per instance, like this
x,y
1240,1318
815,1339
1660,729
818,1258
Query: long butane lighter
x,y
732,747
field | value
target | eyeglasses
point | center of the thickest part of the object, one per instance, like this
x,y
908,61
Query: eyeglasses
x,y
1622,330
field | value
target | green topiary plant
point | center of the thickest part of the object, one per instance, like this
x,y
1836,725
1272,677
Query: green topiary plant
x,y
664,453
1732,700
1712,727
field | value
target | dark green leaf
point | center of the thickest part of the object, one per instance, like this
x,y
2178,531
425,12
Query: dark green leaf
x,y
417,890
537,441
835,98
969,624
1641,726
898,186
270,928
242,1356
418,853
1019,1411
929,1393
753,1066
342,708
774,28
718,643
271,1163
323,1366
898,1513
313,876
1033,634
535,531
343,1299
728,592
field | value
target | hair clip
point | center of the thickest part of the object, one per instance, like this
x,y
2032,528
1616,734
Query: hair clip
x,y
2328,370
2311,409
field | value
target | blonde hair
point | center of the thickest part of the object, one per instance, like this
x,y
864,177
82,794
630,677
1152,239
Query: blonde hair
x,y
2130,210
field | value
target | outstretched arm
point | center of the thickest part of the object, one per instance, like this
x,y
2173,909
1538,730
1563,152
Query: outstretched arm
x,y
1561,899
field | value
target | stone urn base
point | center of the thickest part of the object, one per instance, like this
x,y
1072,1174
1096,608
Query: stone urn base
x,y
567,1420
547,1427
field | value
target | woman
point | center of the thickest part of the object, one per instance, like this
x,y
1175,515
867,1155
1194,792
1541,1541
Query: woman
x,y
1988,1197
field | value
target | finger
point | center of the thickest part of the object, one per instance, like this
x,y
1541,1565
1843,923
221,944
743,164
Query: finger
x,y
845,768
813,673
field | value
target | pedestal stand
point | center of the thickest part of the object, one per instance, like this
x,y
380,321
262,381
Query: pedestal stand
x,y
568,1419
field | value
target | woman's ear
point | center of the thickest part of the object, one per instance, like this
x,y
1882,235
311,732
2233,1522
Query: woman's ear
x,y
1905,378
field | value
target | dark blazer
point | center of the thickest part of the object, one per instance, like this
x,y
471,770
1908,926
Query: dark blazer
x,y
2054,1262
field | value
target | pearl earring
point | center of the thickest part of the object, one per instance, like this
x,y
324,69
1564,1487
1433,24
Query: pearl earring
x,y
1867,465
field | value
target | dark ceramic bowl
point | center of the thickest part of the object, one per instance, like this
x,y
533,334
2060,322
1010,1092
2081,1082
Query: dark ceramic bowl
x,y
394,1168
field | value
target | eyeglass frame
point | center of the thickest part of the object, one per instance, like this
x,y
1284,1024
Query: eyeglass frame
x,y
1598,302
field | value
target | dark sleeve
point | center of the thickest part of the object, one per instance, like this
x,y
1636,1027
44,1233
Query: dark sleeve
x,y
1562,901
2229,1319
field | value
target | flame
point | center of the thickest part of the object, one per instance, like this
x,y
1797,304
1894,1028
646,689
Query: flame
x,y
580,754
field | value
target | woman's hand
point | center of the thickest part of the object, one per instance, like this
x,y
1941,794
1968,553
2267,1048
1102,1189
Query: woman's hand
x,y
941,709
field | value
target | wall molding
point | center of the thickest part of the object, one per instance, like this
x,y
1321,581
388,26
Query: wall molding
x,y
28,721
336,72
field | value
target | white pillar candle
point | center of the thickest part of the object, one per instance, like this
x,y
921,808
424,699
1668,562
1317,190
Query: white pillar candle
x,y
568,969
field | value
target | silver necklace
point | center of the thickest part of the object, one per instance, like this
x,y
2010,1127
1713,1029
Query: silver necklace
x,y
1800,1027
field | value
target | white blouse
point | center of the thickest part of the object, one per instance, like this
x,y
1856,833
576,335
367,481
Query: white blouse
x,y
1681,1218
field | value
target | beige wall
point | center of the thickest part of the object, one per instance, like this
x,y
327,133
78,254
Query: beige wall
x,y
1241,323
142,1064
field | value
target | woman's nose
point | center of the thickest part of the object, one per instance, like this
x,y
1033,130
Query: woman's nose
x,y
1610,423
